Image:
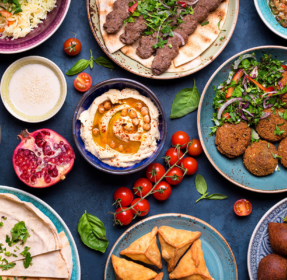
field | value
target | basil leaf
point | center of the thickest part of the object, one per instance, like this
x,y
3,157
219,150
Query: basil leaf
x,y
200,184
93,232
216,196
80,66
104,62
185,102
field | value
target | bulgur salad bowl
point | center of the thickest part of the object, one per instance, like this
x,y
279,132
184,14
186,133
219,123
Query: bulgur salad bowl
x,y
242,119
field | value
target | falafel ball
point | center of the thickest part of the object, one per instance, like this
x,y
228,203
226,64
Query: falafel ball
x,y
270,127
283,81
282,151
232,139
259,158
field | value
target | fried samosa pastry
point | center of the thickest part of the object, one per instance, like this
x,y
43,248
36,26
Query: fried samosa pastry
x,y
145,249
128,270
192,266
174,243
159,276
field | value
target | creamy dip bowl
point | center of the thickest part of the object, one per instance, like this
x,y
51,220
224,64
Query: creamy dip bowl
x,y
119,126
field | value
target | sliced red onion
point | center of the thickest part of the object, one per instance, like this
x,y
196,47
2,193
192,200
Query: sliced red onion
x,y
247,112
194,2
244,106
280,85
238,61
157,35
267,93
244,82
215,121
254,73
180,37
164,4
265,115
267,106
226,104
230,76
219,87
244,93
242,116
252,97
281,71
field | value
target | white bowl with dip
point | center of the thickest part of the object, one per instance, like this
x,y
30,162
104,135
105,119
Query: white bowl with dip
x,y
33,89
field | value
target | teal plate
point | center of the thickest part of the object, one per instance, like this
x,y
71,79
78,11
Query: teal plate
x,y
264,11
233,169
217,253
57,221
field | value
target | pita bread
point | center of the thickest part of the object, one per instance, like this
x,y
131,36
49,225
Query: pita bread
x,y
145,249
203,36
174,243
43,234
127,270
192,266
189,55
67,253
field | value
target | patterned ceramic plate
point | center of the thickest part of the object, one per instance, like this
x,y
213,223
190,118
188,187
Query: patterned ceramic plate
x,y
40,34
233,169
217,253
133,66
264,11
259,245
55,218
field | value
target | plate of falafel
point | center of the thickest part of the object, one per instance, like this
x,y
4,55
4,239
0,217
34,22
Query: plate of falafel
x,y
242,119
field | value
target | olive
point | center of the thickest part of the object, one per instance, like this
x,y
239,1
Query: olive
x,y
101,109
96,131
108,105
124,112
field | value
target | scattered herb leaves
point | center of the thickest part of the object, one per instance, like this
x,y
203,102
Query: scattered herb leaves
x,y
19,233
102,61
205,23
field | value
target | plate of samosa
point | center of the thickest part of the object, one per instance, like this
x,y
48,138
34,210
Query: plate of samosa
x,y
171,246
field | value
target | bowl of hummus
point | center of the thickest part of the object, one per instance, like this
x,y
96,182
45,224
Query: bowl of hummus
x,y
119,126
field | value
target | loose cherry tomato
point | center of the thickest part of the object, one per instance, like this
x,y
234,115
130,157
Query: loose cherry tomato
x,y
124,196
172,155
133,7
284,67
174,176
190,164
142,187
83,82
125,217
180,138
72,46
154,172
162,191
142,207
195,148
242,207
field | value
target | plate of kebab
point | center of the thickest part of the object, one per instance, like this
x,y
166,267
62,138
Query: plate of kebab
x,y
163,39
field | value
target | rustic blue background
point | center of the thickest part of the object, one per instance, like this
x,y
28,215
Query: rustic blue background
x,y
86,188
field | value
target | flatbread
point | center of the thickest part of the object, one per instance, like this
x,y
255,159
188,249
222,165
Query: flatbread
x,y
203,36
67,254
189,55
43,234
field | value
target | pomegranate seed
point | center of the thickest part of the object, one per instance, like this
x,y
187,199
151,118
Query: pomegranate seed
x,y
46,159
61,159
39,174
39,161
61,143
47,179
56,146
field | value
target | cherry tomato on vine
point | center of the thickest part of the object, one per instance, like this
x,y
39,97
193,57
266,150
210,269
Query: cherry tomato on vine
x,y
180,138
242,207
124,195
172,155
195,148
143,207
72,46
126,217
154,172
83,82
142,187
162,191
174,176
190,164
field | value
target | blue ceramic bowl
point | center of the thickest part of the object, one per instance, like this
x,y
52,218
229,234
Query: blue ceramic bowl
x,y
217,253
233,169
86,101
264,11
259,246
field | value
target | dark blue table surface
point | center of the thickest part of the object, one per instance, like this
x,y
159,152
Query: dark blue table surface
x,y
86,188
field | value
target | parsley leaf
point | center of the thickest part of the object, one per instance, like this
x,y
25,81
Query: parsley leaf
x,y
19,233
205,23
277,130
219,23
28,259
275,156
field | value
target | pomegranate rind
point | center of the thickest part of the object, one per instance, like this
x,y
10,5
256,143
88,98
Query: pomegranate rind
x,y
63,158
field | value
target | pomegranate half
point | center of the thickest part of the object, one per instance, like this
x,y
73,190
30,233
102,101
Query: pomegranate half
x,y
42,158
